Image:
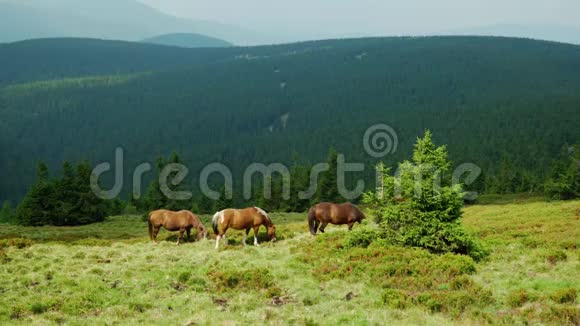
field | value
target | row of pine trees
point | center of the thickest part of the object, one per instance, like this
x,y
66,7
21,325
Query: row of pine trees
x,y
69,200
327,191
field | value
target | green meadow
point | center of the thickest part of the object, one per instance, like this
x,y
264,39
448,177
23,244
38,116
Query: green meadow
x,y
110,273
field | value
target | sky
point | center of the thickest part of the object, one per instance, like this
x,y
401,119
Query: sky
x,y
312,19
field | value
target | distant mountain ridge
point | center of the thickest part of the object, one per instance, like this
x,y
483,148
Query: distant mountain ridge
x,y
106,19
188,40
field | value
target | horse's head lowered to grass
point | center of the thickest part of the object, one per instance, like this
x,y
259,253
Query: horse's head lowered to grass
x,y
272,232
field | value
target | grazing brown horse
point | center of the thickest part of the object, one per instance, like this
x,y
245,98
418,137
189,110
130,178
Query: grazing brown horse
x,y
325,213
242,219
182,221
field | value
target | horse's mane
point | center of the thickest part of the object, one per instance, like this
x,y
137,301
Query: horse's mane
x,y
216,216
263,212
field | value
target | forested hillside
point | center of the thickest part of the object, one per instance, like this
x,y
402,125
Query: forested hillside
x,y
50,59
504,104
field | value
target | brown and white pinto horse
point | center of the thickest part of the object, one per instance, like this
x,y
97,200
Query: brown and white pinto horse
x,y
325,213
182,221
242,219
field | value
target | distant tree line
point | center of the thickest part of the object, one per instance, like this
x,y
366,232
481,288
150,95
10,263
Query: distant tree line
x,y
327,190
69,199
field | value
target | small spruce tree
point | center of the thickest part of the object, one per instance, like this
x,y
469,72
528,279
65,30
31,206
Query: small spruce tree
x,y
38,206
564,180
419,208
6,213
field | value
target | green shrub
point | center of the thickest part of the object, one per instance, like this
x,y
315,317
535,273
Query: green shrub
x,y
361,237
184,277
394,299
39,308
430,302
563,315
518,298
453,265
455,302
197,283
564,296
461,282
19,243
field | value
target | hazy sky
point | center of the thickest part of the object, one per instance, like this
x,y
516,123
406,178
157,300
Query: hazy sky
x,y
301,19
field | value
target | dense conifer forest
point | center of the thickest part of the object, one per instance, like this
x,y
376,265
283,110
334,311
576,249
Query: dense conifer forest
x,y
516,116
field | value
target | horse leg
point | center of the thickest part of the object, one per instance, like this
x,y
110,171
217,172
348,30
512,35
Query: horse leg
x,y
323,226
350,225
221,236
155,232
256,229
181,232
188,234
316,225
217,241
246,236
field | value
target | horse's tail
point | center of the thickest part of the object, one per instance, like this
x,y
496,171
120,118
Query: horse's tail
x,y
312,220
214,222
150,227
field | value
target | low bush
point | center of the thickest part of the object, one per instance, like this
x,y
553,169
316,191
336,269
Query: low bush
x,y
395,299
517,298
409,276
361,237
564,296
39,308
562,315
19,243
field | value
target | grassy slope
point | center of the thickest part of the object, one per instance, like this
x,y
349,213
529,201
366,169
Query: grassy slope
x,y
110,273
